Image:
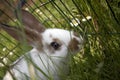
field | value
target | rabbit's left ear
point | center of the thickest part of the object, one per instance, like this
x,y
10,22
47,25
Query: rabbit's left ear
x,y
31,36
32,29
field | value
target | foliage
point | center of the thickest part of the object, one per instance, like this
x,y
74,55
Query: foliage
x,y
99,59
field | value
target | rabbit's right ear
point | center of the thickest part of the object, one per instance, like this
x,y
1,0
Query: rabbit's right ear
x,y
31,22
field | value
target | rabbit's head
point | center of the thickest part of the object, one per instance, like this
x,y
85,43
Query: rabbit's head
x,y
54,42
57,42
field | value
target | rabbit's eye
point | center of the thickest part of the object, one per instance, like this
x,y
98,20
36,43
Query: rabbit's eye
x,y
55,45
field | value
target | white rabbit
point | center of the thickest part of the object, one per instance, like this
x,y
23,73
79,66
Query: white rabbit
x,y
52,48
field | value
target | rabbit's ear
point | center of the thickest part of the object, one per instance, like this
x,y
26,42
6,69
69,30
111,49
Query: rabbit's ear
x,y
31,22
10,30
32,29
31,36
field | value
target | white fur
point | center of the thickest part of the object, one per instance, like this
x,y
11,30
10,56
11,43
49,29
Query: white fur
x,y
52,64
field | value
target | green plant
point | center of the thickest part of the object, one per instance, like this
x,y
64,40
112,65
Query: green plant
x,y
99,59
